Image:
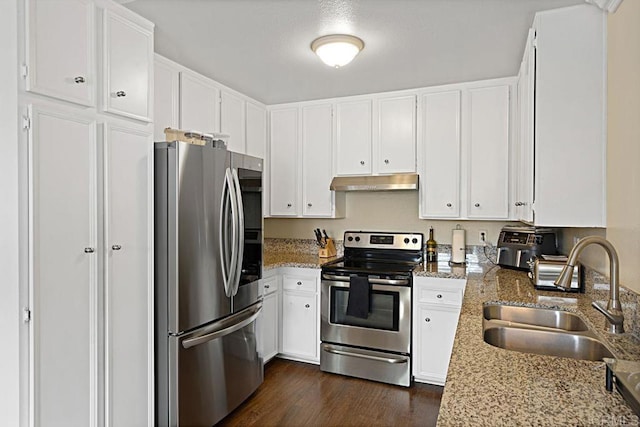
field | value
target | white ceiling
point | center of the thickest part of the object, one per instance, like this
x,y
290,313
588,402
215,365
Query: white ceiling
x,y
261,47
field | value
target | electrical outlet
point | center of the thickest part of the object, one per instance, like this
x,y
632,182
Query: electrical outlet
x,y
482,237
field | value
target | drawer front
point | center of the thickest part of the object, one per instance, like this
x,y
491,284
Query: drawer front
x,y
439,296
293,283
269,286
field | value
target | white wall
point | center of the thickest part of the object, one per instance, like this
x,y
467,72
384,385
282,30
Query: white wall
x,y
623,151
380,211
9,219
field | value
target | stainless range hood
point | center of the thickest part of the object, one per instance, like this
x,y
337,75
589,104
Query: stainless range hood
x,y
406,181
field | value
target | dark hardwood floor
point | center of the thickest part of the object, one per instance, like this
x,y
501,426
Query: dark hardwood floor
x,y
299,394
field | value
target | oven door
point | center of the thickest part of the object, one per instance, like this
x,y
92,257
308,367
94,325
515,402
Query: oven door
x,y
388,326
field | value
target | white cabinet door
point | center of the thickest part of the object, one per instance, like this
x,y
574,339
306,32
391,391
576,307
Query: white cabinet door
x,y
353,138
165,98
435,329
64,257
317,141
396,135
256,130
283,165
199,104
128,62
440,155
269,331
128,289
232,121
299,325
55,29
488,150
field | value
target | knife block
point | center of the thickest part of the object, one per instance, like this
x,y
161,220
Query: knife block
x,y
328,251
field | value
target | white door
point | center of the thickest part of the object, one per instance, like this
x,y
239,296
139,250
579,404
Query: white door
x,y
64,262
353,138
232,121
166,81
317,139
440,155
52,70
256,130
128,61
128,289
488,149
299,321
269,332
435,332
199,104
396,135
283,165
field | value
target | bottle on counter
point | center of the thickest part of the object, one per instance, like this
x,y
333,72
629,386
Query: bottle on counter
x,y
432,247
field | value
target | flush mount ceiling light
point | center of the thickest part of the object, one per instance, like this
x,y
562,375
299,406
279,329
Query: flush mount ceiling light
x,y
337,50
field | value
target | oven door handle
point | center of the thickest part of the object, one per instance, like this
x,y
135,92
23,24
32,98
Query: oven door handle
x,y
391,360
401,282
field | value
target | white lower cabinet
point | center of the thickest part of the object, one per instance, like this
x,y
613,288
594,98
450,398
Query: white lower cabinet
x,y
268,320
299,320
436,309
91,261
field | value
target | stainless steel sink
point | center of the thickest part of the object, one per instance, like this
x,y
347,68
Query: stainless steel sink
x,y
548,343
535,316
543,331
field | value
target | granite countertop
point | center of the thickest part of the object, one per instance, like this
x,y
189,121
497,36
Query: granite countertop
x,y
488,385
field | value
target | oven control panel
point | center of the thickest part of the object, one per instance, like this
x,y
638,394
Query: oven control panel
x,y
381,240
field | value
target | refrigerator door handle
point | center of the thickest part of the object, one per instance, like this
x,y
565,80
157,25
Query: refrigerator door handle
x,y
228,265
225,327
240,241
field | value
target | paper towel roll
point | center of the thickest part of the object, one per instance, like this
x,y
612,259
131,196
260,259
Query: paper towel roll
x,y
458,246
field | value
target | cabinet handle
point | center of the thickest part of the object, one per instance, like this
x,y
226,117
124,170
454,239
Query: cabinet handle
x,y
427,320
448,205
266,286
309,204
89,250
79,79
362,162
477,205
299,283
288,205
307,306
439,296
520,203
386,161
116,247
121,93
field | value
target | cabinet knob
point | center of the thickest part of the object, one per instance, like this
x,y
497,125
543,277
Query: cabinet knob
x,y
439,296
79,79
299,283
266,286
89,250
386,161
307,306
448,205
121,93
289,205
116,247
362,162
309,204
477,205
427,320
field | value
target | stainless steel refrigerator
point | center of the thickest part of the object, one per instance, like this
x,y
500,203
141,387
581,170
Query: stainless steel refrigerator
x,y
208,260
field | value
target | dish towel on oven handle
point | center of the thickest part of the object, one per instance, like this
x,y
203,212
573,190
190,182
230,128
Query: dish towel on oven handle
x,y
359,297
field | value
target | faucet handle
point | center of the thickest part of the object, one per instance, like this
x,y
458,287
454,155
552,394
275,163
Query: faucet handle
x,y
614,317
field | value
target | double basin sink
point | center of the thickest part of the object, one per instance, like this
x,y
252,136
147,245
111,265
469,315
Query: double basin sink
x,y
545,331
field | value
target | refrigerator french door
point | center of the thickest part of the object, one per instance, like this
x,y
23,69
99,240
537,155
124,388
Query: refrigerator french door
x,y
207,270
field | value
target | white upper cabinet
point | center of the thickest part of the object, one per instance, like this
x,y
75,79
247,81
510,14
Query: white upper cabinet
x,y
354,137
570,117
488,150
128,62
51,69
439,150
283,164
317,139
256,130
199,103
396,135
166,104
232,121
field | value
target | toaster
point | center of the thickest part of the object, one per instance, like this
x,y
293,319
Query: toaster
x,y
543,272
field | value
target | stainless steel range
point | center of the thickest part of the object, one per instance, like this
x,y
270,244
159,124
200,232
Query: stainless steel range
x,y
366,307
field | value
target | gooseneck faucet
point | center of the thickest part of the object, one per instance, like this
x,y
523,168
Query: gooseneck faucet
x,y
613,311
